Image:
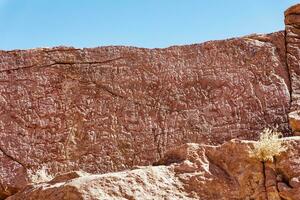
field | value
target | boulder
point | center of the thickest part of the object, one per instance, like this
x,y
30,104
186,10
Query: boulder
x,y
190,171
292,29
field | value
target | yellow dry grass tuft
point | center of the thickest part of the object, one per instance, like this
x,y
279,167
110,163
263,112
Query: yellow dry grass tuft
x,y
268,146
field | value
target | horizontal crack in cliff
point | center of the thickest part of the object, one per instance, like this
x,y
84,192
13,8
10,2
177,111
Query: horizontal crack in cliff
x,y
88,62
62,63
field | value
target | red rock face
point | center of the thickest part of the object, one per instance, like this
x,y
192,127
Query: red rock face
x,y
292,21
111,108
190,171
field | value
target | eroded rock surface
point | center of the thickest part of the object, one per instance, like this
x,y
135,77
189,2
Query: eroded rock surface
x,y
111,108
191,171
292,27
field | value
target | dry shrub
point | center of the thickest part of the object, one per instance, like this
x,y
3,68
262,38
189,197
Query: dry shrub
x,y
268,146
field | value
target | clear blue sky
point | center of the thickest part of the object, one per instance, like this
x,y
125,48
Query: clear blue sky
x,y
145,23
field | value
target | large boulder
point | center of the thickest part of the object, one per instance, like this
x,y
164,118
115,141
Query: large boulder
x,y
292,29
111,108
190,171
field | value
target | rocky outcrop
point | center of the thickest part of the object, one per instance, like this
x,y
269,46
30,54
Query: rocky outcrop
x,y
111,108
191,171
292,22
108,109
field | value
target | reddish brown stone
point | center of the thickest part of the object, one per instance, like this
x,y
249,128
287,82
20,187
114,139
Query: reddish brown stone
x,y
287,164
214,176
293,10
190,171
111,108
292,29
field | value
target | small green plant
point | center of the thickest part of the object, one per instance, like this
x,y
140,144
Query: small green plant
x,y
268,145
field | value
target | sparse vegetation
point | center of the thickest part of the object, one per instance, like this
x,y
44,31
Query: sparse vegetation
x,y
268,146
41,175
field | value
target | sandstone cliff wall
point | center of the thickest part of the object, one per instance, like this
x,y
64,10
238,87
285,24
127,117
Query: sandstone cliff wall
x,y
292,21
111,108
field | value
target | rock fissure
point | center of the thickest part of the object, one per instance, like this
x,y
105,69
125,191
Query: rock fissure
x,y
88,62
63,63
288,71
278,177
264,180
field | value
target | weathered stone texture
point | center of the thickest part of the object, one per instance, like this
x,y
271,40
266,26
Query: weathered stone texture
x,y
190,171
111,108
292,22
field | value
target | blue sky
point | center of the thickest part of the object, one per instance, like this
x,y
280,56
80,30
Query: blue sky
x,y
144,23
